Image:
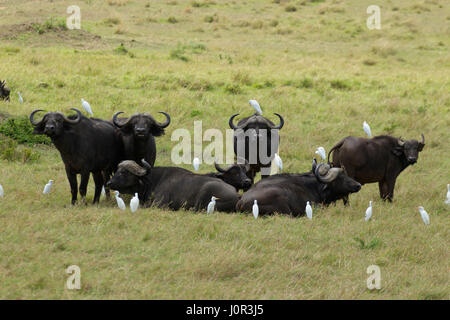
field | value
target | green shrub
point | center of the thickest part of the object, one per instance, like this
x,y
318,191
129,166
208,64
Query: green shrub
x,y
21,130
11,151
233,88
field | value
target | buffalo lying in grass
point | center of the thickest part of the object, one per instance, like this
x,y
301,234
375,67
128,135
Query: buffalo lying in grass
x,y
380,159
235,175
172,187
288,193
86,145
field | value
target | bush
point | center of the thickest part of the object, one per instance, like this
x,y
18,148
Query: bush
x,y
10,151
21,130
233,89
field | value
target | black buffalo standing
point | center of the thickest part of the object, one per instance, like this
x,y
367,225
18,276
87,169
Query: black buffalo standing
x,y
172,187
86,145
288,193
380,159
4,91
254,134
138,134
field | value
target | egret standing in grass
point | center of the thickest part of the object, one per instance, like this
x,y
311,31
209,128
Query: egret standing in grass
x,y
256,106
120,202
321,152
196,163
424,215
255,209
447,201
86,106
134,203
308,210
2,193
20,97
211,205
48,187
366,128
369,211
278,161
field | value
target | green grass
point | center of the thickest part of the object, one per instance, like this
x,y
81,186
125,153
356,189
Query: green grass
x,y
318,66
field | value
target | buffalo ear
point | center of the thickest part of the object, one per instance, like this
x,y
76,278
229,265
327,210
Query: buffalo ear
x,y
421,145
398,151
156,130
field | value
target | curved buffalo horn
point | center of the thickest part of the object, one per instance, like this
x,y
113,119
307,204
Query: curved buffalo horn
x,y
132,167
116,122
247,165
314,165
165,123
34,123
231,124
325,174
423,139
76,120
218,168
146,165
279,126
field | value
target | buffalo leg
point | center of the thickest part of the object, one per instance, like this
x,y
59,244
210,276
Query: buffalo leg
x,y
83,185
72,177
98,180
390,188
384,190
345,200
106,176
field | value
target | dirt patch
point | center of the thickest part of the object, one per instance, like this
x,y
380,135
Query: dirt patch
x,y
56,35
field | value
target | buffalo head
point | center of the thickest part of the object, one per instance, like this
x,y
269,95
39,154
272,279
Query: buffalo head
x,y
409,149
129,176
255,122
140,125
4,91
337,183
53,123
235,175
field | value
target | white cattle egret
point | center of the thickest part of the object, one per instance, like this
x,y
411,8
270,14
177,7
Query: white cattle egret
x,y
2,193
321,152
366,128
308,210
369,211
48,187
119,200
424,215
134,203
86,106
103,191
256,106
255,209
20,97
211,205
278,161
447,201
196,163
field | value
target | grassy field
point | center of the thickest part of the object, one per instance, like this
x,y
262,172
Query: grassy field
x,y
314,62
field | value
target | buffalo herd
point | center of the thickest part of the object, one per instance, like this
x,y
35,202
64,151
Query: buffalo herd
x,y
120,153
